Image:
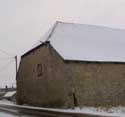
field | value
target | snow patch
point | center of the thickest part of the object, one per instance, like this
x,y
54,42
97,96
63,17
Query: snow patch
x,y
110,112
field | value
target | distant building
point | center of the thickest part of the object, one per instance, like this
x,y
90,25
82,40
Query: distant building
x,y
6,89
77,65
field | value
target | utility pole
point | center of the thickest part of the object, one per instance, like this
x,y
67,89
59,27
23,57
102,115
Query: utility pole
x,y
16,64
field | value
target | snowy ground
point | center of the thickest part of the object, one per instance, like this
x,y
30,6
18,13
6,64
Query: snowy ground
x,y
2,114
5,115
6,102
110,112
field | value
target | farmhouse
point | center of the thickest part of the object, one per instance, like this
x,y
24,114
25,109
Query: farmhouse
x,y
75,65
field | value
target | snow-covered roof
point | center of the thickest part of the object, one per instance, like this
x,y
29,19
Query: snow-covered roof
x,y
88,42
83,42
9,94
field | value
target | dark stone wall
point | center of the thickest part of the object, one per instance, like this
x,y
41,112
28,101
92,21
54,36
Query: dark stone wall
x,y
50,89
64,84
99,84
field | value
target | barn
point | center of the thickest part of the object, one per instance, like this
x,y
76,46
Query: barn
x,y
75,65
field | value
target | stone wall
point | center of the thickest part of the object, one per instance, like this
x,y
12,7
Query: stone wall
x,y
68,84
99,84
50,89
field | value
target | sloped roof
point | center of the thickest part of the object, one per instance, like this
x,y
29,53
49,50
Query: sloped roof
x,y
87,42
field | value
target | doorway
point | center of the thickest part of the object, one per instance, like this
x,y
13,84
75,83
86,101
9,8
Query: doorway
x,y
75,100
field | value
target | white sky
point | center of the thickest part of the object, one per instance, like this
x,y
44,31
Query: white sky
x,y
23,22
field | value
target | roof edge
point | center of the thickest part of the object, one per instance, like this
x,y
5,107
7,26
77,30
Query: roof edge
x,y
33,49
53,29
93,61
98,25
44,42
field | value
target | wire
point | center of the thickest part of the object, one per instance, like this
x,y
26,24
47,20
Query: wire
x,y
5,52
5,66
7,58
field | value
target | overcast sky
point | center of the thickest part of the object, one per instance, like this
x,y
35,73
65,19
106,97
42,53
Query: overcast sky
x,y
23,22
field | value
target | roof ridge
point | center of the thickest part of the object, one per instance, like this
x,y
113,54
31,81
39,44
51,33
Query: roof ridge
x,y
92,25
53,29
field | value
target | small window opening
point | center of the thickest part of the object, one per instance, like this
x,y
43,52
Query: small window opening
x,y
39,70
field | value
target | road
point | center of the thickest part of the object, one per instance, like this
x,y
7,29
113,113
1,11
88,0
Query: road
x,y
2,114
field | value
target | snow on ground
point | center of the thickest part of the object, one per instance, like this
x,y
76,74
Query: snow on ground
x,y
3,114
113,112
108,112
6,115
6,102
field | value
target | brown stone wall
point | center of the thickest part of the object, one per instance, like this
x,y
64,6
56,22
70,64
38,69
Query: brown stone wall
x,y
99,84
69,84
50,89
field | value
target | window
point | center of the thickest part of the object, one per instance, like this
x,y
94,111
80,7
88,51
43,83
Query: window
x,y
39,70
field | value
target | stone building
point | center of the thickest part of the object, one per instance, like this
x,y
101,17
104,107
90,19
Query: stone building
x,y
76,65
